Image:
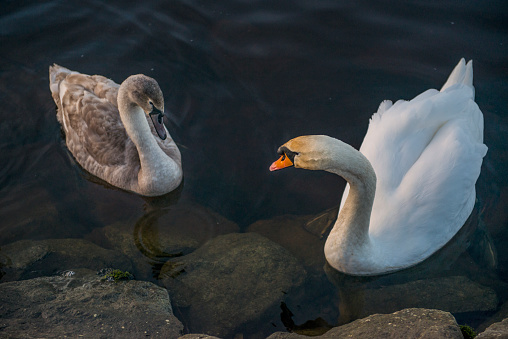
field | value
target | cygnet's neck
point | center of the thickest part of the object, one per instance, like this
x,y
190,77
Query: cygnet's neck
x,y
349,242
158,170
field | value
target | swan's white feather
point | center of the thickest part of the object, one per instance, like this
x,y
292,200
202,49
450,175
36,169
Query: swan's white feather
x,y
427,154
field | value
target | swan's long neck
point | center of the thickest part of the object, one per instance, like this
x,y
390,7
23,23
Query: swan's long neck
x,y
349,242
157,169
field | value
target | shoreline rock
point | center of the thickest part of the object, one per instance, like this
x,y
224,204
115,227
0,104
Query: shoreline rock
x,y
497,330
407,323
84,304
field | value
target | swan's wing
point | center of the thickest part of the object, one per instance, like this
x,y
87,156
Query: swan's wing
x,y
437,194
397,137
89,115
427,155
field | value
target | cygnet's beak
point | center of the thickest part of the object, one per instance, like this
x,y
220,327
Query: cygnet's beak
x,y
283,162
158,123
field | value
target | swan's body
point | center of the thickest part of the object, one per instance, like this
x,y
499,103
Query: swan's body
x,y
412,185
108,130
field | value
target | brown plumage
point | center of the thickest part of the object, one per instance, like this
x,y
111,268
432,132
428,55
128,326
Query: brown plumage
x,y
107,127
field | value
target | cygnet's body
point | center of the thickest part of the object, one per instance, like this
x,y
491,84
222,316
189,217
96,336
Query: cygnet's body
x,y
109,132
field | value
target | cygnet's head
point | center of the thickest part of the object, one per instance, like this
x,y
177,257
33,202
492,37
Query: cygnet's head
x,y
146,93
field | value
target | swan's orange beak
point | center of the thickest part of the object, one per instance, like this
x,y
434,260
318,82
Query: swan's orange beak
x,y
281,163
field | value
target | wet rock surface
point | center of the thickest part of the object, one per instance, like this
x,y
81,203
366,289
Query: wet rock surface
x,y
407,323
232,281
84,305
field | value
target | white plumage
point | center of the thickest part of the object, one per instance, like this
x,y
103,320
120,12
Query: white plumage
x,y
426,154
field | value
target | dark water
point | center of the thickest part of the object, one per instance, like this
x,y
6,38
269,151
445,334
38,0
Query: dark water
x,y
240,78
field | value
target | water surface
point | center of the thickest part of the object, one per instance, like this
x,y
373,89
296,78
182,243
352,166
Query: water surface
x,y
240,78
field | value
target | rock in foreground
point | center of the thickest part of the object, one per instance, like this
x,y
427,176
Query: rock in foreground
x,y
408,323
83,305
496,331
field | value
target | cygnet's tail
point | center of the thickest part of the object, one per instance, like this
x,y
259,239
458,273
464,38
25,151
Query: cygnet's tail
x,y
56,74
461,74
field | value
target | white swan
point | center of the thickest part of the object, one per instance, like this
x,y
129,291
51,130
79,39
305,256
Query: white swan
x,y
107,130
426,154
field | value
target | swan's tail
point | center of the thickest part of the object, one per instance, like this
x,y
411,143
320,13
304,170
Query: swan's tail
x,y
461,74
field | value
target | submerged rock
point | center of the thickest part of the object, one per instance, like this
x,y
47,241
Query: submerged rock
x,y
455,294
232,282
164,233
363,296
27,259
290,232
28,215
407,323
85,305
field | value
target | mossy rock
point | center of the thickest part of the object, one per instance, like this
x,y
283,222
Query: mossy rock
x,y
467,332
117,275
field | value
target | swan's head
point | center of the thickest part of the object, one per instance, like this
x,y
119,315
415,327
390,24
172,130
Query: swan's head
x,y
146,93
312,152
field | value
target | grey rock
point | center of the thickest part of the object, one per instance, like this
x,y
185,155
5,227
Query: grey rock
x,y
407,323
497,330
232,281
84,305
198,336
27,259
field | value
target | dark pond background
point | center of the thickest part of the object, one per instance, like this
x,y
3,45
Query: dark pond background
x,y
239,78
